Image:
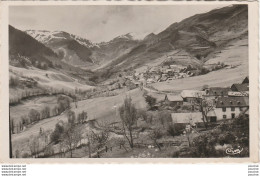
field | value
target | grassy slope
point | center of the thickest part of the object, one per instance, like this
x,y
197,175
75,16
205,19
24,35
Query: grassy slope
x,y
98,108
55,79
37,103
236,54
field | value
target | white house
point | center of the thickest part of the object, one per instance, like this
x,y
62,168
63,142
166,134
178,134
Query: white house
x,y
230,107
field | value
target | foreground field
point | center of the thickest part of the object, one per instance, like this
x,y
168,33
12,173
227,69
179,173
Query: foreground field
x,y
103,109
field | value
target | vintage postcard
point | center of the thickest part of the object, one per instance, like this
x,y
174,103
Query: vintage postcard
x,y
129,82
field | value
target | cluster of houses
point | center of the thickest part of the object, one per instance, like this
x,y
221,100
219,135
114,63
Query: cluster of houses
x,y
226,102
163,73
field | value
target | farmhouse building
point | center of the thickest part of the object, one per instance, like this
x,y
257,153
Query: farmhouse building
x,y
193,119
230,107
173,100
217,92
192,95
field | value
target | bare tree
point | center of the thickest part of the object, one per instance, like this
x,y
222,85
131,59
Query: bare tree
x,y
34,145
204,106
121,142
72,136
99,139
154,135
82,117
45,112
128,116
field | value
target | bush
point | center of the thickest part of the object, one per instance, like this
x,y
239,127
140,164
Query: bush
x,y
34,115
234,134
175,129
150,101
13,81
57,133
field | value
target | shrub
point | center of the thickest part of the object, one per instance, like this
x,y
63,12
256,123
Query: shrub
x,y
13,81
175,129
34,115
57,133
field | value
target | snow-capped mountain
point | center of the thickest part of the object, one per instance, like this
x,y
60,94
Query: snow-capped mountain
x,y
48,37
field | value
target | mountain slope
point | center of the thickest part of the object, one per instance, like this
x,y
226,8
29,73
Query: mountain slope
x,y
24,44
71,49
198,36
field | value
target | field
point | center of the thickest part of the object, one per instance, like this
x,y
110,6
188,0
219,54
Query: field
x,y
50,78
103,109
16,112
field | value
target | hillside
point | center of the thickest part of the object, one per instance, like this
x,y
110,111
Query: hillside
x,y
21,44
71,49
198,36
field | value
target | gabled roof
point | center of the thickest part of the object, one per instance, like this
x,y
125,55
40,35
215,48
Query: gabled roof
x,y
173,97
195,117
218,91
246,80
240,87
192,93
232,102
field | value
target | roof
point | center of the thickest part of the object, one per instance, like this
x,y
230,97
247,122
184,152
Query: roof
x,y
192,118
218,91
246,80
232,102
192,93
240,87
158,97
173,97
238,94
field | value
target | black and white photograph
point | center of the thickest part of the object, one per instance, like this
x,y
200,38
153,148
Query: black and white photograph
x,y
129,81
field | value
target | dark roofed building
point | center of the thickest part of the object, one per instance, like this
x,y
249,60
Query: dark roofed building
x,y
232,102
173,100
230,107
218,91
246,80
240,87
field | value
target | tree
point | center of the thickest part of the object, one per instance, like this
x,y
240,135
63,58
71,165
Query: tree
x,y
150,101
63,103
71,117
164,117
45,112
82,117
99,139
56,136
34,115
13,81
154,135
204,106
128,116
121,142
34,145
72,136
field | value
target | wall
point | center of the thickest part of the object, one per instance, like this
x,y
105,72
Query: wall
x,y
220,113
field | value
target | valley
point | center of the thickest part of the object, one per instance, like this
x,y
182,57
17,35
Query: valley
x,y
64,84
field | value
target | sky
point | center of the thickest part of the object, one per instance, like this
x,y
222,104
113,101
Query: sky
x,y
100,23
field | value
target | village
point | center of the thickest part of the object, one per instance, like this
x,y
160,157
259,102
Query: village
x,y
218,103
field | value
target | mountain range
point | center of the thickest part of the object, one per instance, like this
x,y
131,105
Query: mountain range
x,y
191,41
